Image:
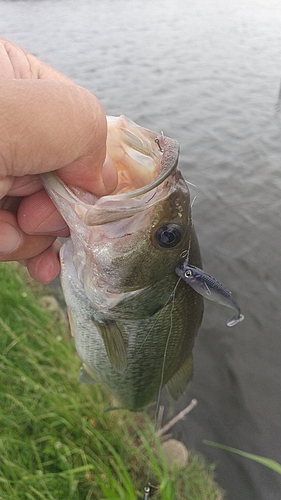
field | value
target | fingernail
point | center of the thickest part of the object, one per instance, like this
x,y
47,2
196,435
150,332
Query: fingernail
x,y
10,238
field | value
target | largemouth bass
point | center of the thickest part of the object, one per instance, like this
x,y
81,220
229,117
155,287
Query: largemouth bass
x,y
134,322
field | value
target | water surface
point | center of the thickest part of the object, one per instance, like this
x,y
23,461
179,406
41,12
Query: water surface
x,y
207,74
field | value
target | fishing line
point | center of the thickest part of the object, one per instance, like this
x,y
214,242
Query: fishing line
x,y
148,488
184,254
166,351
172,296
196,187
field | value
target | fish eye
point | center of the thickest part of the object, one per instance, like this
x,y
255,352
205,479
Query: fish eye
x,y
168,235
188,273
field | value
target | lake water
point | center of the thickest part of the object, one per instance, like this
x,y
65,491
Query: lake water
x,y
208,74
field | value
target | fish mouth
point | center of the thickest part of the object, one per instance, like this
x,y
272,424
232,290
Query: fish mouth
x,y
143,159
146,158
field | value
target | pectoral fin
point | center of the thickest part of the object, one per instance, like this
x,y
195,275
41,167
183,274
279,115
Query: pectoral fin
x,y
180,380
114,344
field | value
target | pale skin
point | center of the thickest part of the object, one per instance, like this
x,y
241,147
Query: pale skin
x,y
46,123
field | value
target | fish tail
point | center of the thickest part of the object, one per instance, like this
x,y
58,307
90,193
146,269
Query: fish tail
x,y
233,321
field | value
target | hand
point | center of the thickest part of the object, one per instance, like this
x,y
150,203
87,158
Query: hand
x,y
46,123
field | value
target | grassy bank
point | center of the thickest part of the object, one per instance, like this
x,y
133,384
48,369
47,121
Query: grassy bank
x,y
56,442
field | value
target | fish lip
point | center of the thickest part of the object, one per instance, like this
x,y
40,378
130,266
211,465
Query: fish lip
x,y
104,209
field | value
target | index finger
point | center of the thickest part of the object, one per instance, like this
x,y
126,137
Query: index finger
x,y
71,119
47,125
17,63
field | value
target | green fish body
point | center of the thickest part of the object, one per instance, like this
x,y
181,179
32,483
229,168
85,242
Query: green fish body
x,y
133,321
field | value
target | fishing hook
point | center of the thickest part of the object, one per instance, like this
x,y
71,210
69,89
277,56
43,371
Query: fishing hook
x,y
158,144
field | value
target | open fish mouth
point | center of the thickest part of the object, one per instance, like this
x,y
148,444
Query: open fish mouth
x,y
143,159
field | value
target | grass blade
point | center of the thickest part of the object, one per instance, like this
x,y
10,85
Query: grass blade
x,y
267,462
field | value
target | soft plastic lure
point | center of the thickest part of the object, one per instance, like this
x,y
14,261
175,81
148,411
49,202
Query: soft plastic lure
x,y
210,288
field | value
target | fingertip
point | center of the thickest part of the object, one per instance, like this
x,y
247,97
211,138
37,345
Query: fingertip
x,y
45,267
11,238
38,215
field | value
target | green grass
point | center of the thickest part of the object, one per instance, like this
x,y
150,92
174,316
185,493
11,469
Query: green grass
x,y
56,441
267,462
